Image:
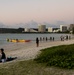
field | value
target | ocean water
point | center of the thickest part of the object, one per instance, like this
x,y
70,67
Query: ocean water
x,y
28,36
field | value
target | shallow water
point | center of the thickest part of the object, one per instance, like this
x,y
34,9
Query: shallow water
x,y
4,43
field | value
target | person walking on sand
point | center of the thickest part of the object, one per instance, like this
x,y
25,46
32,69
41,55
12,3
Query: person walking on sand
x,y
37,42
3,56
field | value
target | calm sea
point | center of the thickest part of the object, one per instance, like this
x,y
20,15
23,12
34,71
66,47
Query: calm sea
x,y
32,37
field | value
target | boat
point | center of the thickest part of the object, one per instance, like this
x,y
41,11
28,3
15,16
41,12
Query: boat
x,y
17,40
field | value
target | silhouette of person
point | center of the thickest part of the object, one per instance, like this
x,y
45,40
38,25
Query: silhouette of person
x,y
43,38
3,56
46,38
37,42
69,37
50,38
53,38
40,39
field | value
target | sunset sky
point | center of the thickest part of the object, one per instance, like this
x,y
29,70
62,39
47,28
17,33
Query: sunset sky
x,y
24,11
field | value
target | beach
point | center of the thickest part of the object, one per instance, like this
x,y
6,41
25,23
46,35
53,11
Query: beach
x,y
27,51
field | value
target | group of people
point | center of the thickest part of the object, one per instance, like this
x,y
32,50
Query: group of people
x,y
43,39
46,39
65,38
51,39
3,56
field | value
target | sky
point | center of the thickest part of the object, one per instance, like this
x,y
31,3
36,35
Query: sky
x,y
27,12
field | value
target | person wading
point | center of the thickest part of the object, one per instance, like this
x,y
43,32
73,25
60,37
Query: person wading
x,y
37,42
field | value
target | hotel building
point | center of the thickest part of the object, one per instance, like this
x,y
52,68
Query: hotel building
x,y
42,28
63,28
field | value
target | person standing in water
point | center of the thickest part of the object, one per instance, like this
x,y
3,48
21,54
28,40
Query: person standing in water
x,y
37,42
40,39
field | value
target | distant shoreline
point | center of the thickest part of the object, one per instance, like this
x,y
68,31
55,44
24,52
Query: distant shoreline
x,y
36,33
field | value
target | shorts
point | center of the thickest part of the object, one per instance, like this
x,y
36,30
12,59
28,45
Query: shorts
x,y
3,60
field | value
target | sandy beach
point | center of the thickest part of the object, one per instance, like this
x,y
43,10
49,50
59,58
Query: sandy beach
x,y
26,51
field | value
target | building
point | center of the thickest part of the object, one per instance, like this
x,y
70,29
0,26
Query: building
x,y
50,29
63,28
30,30
55,30
42,28
33,30
27,30
71,27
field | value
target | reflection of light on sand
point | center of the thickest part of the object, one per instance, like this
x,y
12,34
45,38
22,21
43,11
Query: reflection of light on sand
x,y
29,50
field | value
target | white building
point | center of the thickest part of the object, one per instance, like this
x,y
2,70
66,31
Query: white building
x,y
63,28
50,29
42,28
56,30
27,29
33,30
